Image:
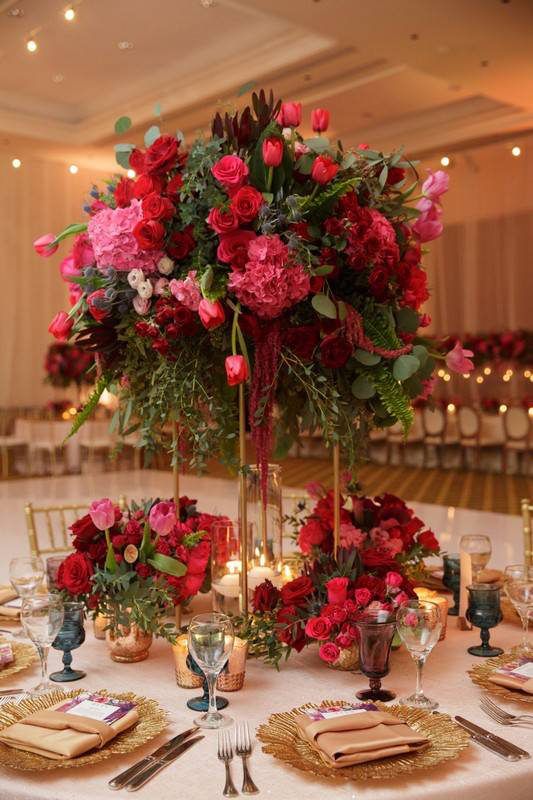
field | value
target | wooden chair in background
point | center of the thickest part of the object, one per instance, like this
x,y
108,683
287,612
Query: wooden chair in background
x,y
527,520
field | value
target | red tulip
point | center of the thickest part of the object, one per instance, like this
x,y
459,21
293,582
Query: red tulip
x,y
236,370
272,151
211,314
320,119
61,326
290,115
324,169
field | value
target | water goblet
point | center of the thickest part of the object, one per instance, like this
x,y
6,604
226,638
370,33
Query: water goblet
x,y
71,636
484,612
26,575
479,548
419,625
452,580
210,644
518,586
42,618
376,631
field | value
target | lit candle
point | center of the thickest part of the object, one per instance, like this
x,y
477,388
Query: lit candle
x,y
440,601
228,585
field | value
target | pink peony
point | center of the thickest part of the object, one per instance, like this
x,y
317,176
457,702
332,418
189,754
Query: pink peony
x,y
113,242
187,291
458,360
350,536
163,517
436,184
269,283
102,513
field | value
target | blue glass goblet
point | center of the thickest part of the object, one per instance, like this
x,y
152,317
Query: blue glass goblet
x,y
71,636
452,580
202,703
484,612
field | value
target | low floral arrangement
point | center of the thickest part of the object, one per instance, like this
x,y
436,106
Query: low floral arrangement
x,y
136,565
321,606
66,364
256,256
514,346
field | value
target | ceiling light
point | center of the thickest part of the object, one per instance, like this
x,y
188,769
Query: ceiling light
x,y
125,45
466,375
503,408
530,411
445,161
73,169
207,3
131,173
15,12
58,78
31,45
506,378
69,14
516,151
16,163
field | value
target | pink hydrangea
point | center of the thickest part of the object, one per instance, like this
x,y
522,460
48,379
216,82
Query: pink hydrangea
x,y
187,291
111,235
269,283
350,536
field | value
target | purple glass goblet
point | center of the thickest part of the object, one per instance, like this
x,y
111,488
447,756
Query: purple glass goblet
x,y
376,631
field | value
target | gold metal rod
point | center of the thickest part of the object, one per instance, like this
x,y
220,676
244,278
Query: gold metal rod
x,y
243,500
336,498
175,466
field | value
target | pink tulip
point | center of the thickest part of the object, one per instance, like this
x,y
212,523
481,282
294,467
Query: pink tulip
x,y
320,119
211,314
428,226
102,513
272,151
61,326
43,245
290,115
236,370
163,518
458,360
436,184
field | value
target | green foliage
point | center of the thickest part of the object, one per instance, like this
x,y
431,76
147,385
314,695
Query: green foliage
x,y
90,406
122,125
393,397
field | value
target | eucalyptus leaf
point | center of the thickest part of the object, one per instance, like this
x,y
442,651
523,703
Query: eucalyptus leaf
x,y
363,388
167,564
305,164
404,367
420,352
324,269
348,160
157,109
122,124
427,368
318,144
323,305
206,281
383,175
151,135
366,358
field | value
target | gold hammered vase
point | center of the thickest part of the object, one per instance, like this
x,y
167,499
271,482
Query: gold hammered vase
x,y
348,659
129,645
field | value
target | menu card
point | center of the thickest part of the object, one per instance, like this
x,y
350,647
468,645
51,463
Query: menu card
x,y
94,706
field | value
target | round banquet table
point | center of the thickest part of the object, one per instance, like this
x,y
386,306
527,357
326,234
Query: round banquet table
x,y
197,775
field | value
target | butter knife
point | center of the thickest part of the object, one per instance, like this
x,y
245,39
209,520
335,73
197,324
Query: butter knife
x,y
119,781
502,747
143,777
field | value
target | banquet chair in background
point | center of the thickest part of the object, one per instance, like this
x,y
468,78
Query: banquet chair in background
x,y
96,444
517,429
434,426
527,522
13,444
46,442
396,440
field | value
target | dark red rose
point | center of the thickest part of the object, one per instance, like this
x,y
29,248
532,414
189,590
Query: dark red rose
x,y
161,155
84,531
181,244
146,184
155,206
161,346
375,586
373,558
137,160
149,234
174,187
75,574
302,340
335,351
428,540
301,229
295,592
246,203
124,192
316,283
265,597
92,602
378,282
290,630
97,551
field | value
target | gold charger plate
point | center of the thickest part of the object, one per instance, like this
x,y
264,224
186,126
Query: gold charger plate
x,y
447,740
480,676
152,720
25,654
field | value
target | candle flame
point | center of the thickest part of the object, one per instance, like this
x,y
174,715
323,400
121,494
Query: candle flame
x,y
262,560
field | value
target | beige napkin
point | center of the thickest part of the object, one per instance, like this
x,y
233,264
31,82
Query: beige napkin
x,y
342,741
520,684
490,576
55,734
6,595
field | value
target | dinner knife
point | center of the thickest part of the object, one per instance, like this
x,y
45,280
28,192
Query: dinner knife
x,y
143,777
122,779
502,747
6,692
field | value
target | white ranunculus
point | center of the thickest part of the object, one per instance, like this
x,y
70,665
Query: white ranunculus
x,y
135,276
145,290
165,266
141,305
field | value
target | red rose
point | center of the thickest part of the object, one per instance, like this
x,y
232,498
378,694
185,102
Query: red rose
x,y
233,248
302,340
318,628
149,234
181,244
174,187
124,192
375,586
198,558
296,591
337,589
246,203
324,169
137,160
329,652
265,597
95,311
75,574
146,184
290,630
428,541
335,351
363,596
272,150
84,531
161,155
222,221
231,172
155,206
312,534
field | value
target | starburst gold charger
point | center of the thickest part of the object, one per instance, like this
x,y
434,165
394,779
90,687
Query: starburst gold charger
x,y
24,655
152,720
447,740
481,673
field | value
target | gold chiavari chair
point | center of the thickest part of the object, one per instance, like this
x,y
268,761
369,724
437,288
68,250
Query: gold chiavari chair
x,y
57,520
527,520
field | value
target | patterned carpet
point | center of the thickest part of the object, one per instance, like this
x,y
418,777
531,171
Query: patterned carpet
x,y
479,490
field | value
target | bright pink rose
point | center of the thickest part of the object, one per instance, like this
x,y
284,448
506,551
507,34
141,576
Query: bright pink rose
x,y
102,513
324,169
337,589
393,579
329,652
401,599
211,314
236,370
272,151
233,248
318,628
163,517
43,245
246,203
222,221
362,596
231,172
436,184
61,326
319,119
290,115
458,360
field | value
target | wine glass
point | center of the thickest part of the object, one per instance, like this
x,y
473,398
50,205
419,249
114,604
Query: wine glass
x,y
518,585
485,613
419,625
42,618
376,631
479,548
210,644
26,575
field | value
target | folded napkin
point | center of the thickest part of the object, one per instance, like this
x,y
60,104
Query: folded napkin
x,y
490,576
517,675
6,595
62,732
343,736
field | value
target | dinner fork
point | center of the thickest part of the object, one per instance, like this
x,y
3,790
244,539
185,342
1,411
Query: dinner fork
x,y
225,754
243,748
503,717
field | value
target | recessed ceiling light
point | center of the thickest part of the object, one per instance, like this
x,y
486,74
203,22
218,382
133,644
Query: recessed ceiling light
x,y
414,37
516,151
445,161
69,14
73,169
484,63
31,45
58,77
207,3
15,12
125,45
131,173
16,163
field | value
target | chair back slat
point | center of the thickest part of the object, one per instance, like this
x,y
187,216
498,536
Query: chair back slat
x,y
527,520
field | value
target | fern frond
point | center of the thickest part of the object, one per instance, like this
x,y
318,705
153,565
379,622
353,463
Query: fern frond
x,y
381,331
393,397
83,415
326,199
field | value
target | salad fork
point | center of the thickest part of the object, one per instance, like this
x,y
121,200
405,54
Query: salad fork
x,y
225,754
503,717
243,748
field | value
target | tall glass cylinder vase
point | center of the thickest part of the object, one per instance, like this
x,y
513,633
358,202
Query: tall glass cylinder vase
x,y
226,566
265,526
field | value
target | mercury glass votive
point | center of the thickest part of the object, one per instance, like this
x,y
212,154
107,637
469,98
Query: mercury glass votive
x,y
452,580
484,612
376,631
440,601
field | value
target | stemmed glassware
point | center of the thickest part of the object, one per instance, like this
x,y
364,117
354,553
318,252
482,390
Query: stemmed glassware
x,y
518,585
376,631
485,613
26,575
42,618
211,639
419,625
479,548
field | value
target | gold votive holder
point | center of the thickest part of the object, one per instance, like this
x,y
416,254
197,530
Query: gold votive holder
x,y
230,680
431,596
100,623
